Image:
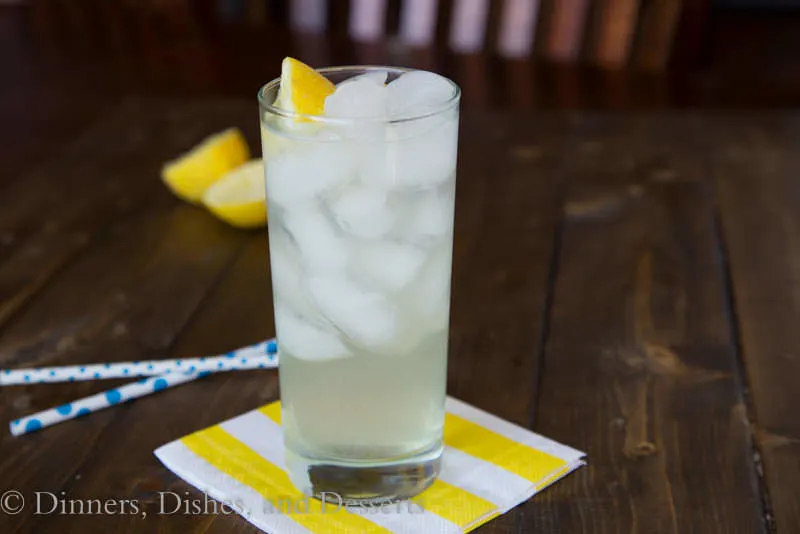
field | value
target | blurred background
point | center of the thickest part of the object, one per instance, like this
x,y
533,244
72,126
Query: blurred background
x,y
506,53
66,61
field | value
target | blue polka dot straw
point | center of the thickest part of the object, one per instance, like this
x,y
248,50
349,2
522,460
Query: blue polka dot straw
x,y
113,396
250,357
260,356
82,407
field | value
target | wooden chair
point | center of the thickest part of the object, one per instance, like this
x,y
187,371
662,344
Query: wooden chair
x,y
609,33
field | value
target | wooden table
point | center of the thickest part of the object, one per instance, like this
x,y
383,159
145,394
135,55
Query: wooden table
x,y
625,284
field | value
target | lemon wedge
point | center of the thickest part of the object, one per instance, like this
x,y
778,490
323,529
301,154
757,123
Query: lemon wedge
x,y
238,198
192,173
303,90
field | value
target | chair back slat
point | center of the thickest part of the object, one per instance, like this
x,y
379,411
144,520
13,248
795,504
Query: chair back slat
x,y
565,29
614,30
642,34
418,21
308,15
468,25
367,19
517,27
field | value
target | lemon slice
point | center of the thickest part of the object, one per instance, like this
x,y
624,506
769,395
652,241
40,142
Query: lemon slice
x,y
192,173
238,198
303,90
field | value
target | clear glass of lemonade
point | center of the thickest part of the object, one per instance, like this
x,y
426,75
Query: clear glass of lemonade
x,y
361,202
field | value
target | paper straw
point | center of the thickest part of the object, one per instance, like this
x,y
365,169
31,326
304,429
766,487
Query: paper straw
x,y
101,401
112,397
253,357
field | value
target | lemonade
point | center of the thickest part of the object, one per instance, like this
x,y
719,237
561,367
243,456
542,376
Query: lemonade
x,y
361,202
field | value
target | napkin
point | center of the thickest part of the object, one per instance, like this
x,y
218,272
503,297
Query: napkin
x,y
489,466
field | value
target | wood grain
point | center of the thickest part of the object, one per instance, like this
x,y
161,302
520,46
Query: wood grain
x,y
238,311
756,178
109,173
508,202
125,295
639,366
590,302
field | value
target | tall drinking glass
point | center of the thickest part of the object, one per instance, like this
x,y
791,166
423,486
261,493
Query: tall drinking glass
x,y
361,237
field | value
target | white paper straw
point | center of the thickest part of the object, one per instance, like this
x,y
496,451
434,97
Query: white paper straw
x,y
261,353
85,406
112,397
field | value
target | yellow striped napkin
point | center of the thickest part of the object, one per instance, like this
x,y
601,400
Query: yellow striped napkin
x,y
488,467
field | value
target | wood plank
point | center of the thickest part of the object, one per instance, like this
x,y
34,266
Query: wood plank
x,y
127,295
755,168
31,133
490,227
89,167
121,463
110,172
640,368
126,299
506,215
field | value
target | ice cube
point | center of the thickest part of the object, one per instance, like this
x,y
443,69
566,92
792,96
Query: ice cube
x,y
357,98
375,76
286,269
363,212
392,266
428,217
420,159
416,93
321,249
305,341
431,295
365,317
298,175
272,143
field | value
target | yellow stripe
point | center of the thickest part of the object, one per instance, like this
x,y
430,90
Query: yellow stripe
x,y
459,506
455,504
549,479
480,442
273,411
480,522
445,500
475,440
235,459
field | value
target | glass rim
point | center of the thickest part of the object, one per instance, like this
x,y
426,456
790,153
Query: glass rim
x,y
274,110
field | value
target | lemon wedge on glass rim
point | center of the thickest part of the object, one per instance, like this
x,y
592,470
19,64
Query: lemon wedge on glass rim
x,y
192,173
303,90
239,197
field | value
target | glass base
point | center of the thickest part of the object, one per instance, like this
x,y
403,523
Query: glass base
x,y
345,483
